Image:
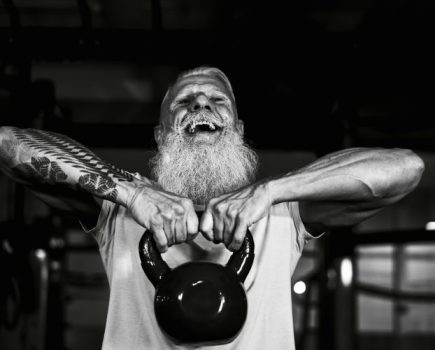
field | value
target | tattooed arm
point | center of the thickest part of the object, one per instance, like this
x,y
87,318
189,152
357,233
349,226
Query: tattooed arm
x,y
41,159
70,177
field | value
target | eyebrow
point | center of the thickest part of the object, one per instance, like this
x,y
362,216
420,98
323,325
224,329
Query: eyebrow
x,y
182,95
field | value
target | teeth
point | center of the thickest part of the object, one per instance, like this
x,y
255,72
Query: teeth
x,y
192,127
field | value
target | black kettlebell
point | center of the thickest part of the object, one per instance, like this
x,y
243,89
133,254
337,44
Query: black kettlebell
x,y
199,303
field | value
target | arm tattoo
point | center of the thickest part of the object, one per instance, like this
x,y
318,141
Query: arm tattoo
x,y
43,169
96,175
99,184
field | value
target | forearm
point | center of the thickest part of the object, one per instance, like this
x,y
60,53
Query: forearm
x,y
38,158
356,174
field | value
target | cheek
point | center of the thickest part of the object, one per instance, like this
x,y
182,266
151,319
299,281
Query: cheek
x,y
227,115
176,117
225,111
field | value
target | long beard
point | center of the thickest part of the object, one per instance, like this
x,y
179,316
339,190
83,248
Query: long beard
x,y
201,172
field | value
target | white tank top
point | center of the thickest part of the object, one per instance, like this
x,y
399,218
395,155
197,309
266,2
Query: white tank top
x,y
131,324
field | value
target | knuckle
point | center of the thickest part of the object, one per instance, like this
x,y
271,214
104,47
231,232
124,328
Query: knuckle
x,y
213,202
232,211
186,203
242,217
166,212
156,222
178,210
220,208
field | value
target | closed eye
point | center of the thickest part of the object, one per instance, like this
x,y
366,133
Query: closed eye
x,y
179,103
183,101
220,100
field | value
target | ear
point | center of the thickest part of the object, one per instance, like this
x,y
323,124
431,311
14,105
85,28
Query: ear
x,y
158,134
240,126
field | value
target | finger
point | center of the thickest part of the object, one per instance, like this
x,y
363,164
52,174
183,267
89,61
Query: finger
x,y
218,229
169,228
192,225
229,230
160,238
206,225
180,231
239,235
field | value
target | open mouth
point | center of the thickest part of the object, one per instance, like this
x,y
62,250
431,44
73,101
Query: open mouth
x,y
202,126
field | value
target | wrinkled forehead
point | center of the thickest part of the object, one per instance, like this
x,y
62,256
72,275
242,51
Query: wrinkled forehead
x,y
193,84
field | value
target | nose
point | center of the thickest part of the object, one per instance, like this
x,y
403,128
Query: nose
x,y
200,102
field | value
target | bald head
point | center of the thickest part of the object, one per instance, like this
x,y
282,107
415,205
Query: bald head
x,y
198,72
202,91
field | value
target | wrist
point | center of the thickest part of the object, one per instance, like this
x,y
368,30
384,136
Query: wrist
x,y
272,190
278,188
128,192
267,188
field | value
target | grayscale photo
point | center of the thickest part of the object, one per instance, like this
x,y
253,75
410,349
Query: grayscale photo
x,y
217,175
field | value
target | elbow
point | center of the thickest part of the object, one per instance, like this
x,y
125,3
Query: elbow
x,y
415,167
411,169
4,134
398,176
418,166
8,144
5,131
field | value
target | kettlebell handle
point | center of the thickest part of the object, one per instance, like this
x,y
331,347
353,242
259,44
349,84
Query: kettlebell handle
x,y
155,267
151,260
241,261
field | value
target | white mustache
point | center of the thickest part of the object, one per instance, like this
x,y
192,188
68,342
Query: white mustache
x,y
202,115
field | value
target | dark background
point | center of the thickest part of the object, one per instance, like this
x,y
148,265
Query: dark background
x,y
309,77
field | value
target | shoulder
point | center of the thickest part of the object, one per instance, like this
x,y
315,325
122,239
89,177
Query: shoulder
x,y
291,210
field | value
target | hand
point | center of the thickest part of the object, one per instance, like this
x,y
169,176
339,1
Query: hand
x,y
227,217
171,218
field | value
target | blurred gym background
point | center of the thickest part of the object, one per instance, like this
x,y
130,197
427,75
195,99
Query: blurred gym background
x,y
310,77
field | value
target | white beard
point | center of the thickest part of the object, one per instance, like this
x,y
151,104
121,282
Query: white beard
x,y
204,171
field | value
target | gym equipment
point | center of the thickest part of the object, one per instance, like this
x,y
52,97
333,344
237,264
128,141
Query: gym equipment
x,y
199,303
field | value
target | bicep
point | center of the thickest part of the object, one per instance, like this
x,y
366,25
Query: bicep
x,y
319,216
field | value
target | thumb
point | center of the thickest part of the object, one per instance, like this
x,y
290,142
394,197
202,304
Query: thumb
x,y
206,225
